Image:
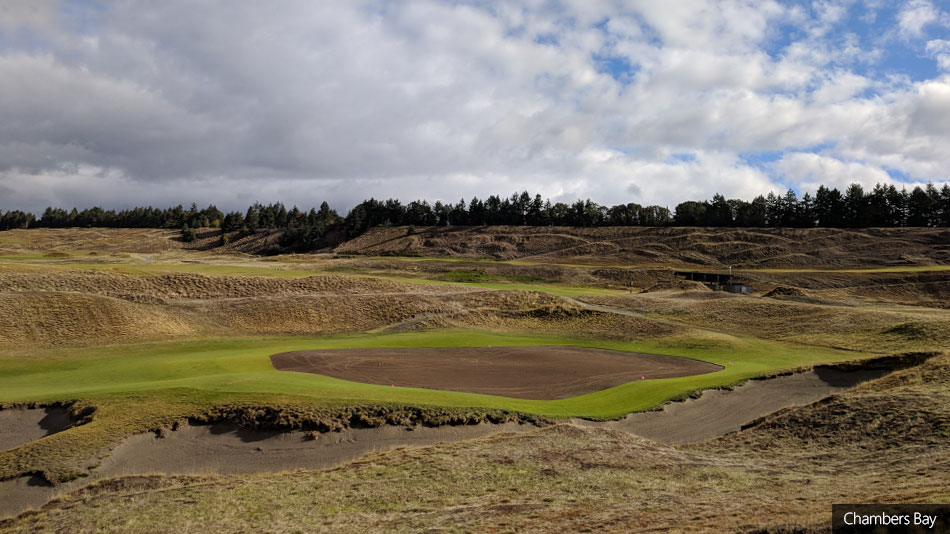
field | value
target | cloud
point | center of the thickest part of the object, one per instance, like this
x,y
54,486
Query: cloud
x,y
19,14
174,101
914,16
939,49
808,171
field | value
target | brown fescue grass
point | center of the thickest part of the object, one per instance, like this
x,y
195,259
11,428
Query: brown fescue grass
x,y
870,328
49,318
86,240
741,247
80,308
886,441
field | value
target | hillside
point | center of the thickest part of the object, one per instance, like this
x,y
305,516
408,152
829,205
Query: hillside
x,y
740,247
671,246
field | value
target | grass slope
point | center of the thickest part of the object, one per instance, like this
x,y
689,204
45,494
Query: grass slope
x,y
240,365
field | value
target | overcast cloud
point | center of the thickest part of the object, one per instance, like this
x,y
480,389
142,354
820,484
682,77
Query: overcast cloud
x,y
139,102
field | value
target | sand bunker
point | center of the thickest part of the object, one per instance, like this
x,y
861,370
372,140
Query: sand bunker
x,y
540,373
720,411
225,448
23,425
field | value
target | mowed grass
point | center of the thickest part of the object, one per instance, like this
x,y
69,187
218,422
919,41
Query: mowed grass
x,y
240,366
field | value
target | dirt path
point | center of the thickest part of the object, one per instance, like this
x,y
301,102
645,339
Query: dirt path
x,y
719,412
227,449
541,373
19,426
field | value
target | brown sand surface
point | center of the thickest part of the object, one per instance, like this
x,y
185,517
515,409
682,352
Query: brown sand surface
x,y
23,425
224,448
540,373
719,412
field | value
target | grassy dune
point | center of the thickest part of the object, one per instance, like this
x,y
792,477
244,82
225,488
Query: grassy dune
x,y
140,341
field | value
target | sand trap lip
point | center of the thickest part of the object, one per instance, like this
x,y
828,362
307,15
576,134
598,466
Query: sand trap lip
x,y
19,426
538,373
719,412
224,448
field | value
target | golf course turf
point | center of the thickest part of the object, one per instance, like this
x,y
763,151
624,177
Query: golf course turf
x,y
234,366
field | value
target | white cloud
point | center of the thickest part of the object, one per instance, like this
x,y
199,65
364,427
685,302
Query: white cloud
x,y
809,171
176,101
914,16
939,49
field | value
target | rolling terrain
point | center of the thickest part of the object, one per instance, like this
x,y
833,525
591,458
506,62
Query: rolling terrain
x,y
709,247
133,333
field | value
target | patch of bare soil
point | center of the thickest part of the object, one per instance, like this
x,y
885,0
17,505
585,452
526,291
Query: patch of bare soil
x,y
541,373
719,412
23,425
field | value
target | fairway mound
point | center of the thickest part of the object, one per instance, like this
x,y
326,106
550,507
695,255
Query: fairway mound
x,y
540,373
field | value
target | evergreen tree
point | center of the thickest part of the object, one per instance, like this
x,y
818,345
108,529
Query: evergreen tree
x,y
920,208
856,212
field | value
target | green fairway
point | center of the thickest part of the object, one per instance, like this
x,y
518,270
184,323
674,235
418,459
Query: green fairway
x,y
241,366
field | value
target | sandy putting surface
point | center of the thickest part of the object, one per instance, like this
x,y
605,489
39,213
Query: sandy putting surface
x,y
541,373
718,412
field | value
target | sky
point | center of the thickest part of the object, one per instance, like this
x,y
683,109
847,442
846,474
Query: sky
x,y
129,102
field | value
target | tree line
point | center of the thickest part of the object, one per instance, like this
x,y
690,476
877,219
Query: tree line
x,y
883,206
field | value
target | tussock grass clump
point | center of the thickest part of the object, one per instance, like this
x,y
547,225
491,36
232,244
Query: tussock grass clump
x,y
336,419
